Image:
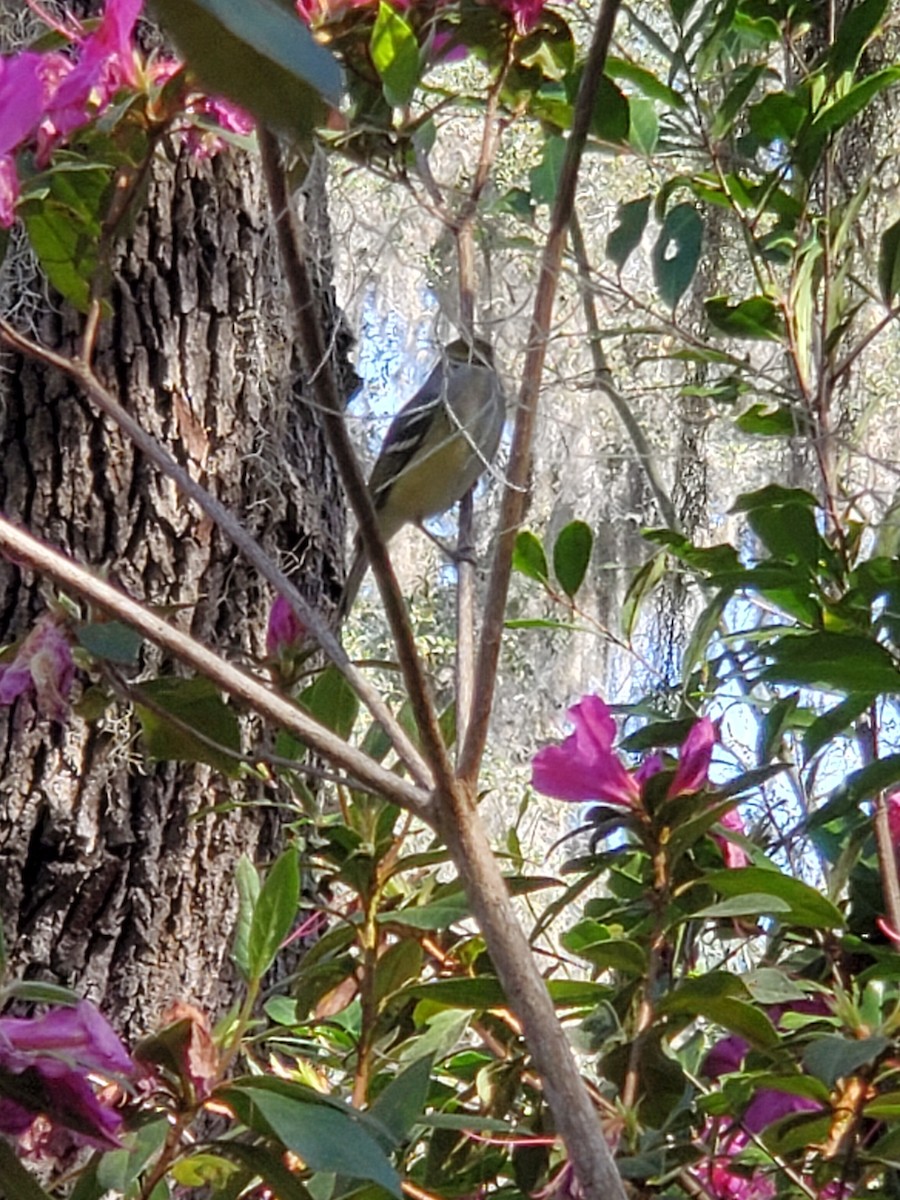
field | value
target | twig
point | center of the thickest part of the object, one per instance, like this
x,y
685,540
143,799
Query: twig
x,y
603,379
326,394
24,548
514,501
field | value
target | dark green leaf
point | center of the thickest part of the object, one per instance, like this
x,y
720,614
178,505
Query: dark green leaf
x,y
610,118
402,1102
395,53
327,1137
529,557
833,1057
790,533
868,781
857,27
274,913
755,318
773,495
889,264
593,941
571,555
645,81
118,1169
332,701
258,54
807,907
195,703
17,1183
722,998
111,640
778,117
544,178
677,252
745,80
625,237
440,914
708,624
836,662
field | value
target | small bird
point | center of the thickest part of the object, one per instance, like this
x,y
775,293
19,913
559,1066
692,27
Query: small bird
x,y
436,447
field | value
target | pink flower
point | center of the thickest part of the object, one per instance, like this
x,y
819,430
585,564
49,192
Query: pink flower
x,y
44,1067
43,665
693,763
105,63
585,767
734,856
285,632
21,105
525,13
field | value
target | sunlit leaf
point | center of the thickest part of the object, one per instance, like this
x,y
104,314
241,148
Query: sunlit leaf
x,y
529,557
395,53
677,252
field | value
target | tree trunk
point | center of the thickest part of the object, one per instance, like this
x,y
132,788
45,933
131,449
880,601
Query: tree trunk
x,y
115,876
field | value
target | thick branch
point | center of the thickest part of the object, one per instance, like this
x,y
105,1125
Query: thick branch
x,y
25,549
515,495
460,826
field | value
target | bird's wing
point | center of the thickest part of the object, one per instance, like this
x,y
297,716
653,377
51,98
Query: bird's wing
x,y
406,432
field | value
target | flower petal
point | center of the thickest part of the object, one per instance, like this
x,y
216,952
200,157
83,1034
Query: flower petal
x,y
696,754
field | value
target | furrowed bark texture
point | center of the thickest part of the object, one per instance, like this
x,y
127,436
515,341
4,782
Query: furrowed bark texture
x,y
114,877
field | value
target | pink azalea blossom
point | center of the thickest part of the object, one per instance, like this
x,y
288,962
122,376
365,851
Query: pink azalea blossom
x,y
46,1061
525,13
694,760
285,632
734,856
21,106
104,64
43,665
585,767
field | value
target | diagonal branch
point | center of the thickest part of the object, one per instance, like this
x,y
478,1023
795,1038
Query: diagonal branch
x,y
515,495
26,549
228,523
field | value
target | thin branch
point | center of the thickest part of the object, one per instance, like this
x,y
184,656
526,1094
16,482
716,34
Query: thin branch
x,y
331,409
515,495
228,523
25,549
604,380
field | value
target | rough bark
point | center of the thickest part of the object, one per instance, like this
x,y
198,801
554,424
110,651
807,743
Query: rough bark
x,y
115,877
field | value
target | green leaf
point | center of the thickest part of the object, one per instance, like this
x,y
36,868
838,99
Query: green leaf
x,y
789,532
746,79
757,318
260,55
401,1105
328,1137
773,495
197,704
111,640
721,997
889,264
248,888
591,940
118,1169
274,913
544,178
677,252
834,1057
625,237
440,914
572,555
835,662
268,1166
836,115
332,701
765,421
17,1183
641,586
860,22
65,225
645,81
529,557
610,119
868,781
395,53
643,126
806,906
